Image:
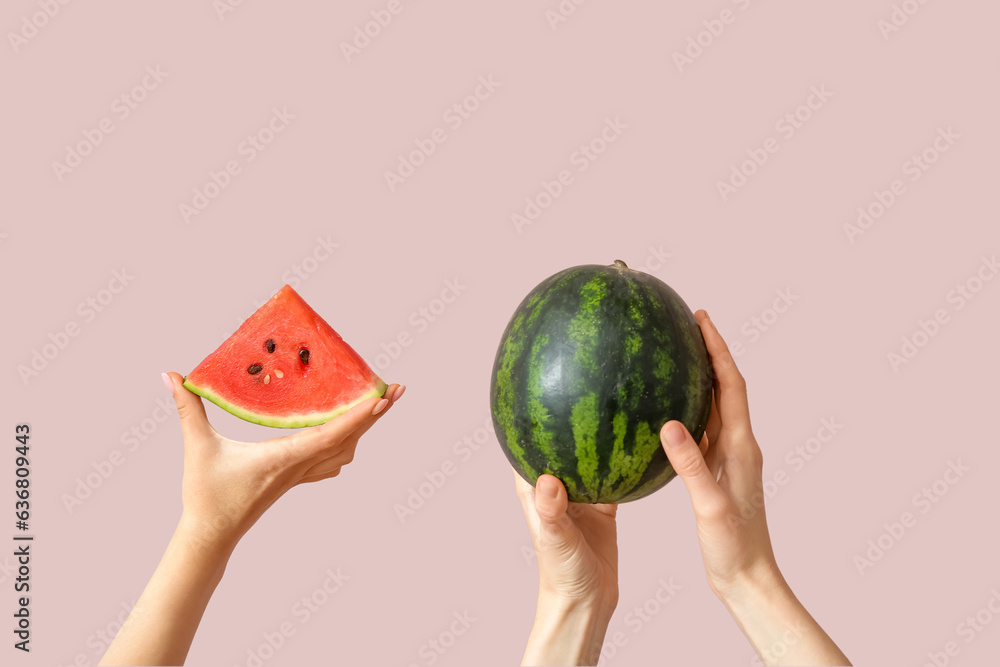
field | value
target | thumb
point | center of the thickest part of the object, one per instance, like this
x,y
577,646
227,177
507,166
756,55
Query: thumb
x,y
555,529
689,464
194,421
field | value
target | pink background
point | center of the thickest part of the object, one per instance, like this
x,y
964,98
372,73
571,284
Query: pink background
x,y
650,199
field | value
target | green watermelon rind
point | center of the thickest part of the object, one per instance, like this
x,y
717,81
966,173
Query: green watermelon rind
x,y
291,421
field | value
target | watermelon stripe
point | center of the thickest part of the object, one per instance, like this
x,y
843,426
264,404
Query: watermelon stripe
x,y
585,419
582,330
618,461
650,485
541,436
647,445
503,405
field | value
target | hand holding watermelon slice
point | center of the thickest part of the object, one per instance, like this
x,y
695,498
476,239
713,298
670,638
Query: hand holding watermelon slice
x,y
228,484
284,367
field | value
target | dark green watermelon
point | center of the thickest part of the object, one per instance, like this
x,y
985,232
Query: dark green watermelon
x,y
592,364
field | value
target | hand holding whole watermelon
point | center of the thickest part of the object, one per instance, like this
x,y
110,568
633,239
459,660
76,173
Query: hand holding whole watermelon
x,y
576,545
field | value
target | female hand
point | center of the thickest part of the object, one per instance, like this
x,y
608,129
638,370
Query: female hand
x,y
724,479
227,486
577,549
724,476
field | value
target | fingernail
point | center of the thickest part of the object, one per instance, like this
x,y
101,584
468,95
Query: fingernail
x,y
380,406
548,489
398,393
673,434
168,382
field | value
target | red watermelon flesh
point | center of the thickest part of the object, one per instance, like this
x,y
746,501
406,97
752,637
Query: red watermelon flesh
x,y
285,367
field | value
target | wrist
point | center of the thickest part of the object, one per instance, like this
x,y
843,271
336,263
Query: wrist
x,y
776,623
567,631
208,540
599,603
598,607
761,581
770,616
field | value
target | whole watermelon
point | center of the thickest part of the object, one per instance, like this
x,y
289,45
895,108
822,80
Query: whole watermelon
x,y
592,364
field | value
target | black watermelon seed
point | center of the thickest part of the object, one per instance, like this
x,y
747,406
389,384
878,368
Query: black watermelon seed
x,y
256,368
304,356
269,345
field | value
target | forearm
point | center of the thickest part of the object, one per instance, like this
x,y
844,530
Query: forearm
x,y
778,626
566,633
161,627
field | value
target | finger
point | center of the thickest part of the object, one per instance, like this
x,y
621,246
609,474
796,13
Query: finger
x,y
526,494
328,465
713,458
734,411
711,455
610,509
524,490
194,421
393,393
317,439
685,457
319,477
556,529
396,394
714,421
703,445
551,501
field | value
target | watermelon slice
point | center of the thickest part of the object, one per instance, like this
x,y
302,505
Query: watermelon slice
x,y
285,367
